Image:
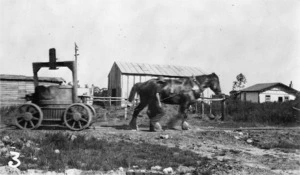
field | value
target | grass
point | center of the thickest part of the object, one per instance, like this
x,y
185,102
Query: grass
x,y
7,114
97,154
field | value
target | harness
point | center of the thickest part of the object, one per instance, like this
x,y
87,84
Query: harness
x,y
172,89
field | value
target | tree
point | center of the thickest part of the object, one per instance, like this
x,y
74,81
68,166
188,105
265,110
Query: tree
x,y
239,83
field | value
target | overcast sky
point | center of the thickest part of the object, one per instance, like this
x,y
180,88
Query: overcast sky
x,y
259,38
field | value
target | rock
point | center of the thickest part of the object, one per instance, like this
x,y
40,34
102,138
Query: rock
x,y
4,152
7,170
6,139
73,172
168,170
73,137
221,159
222,153
184,169
164,136
121,169
249,140
237,137
57,151
156,168
29,143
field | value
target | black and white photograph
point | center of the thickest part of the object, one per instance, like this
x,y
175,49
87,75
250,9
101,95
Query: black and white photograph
x,y
149,87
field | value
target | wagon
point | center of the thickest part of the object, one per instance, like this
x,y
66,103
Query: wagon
x,y
57,104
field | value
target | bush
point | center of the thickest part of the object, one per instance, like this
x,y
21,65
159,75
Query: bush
x,y
266,113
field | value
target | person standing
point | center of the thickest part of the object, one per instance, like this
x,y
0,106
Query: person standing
x,y
155,111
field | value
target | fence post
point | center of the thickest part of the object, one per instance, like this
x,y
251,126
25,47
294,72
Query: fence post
x,y
125,116
109,102
223,108
202,104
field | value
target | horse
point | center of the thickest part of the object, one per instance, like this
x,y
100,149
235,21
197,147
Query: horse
x,y
182,92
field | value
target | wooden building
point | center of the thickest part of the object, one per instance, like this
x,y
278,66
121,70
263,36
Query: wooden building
x,y
267,92
13,88
123,75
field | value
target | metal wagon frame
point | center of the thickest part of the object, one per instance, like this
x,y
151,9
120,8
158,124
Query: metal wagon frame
x,y
55,104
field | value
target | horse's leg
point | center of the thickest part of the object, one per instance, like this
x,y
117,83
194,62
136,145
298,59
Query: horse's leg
x,y
137,110
155,113
173,121
184,124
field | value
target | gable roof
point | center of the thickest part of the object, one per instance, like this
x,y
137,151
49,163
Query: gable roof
x,y
30,78
265,86
157,70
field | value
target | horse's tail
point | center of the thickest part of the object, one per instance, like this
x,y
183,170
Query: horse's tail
x,y
133,91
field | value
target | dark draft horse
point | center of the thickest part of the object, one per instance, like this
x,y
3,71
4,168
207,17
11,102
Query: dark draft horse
x,y
182,92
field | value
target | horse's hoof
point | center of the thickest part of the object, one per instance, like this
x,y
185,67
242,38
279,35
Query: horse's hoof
x,y
185,126
134,128
156,128
133,125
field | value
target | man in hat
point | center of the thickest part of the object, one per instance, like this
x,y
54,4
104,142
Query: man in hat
x,y
155,111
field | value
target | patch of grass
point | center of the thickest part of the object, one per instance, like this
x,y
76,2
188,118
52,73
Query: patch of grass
x,y
266,113
7,114
99,154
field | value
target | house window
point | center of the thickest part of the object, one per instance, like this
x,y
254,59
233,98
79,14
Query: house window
x,y
286,98
280,99
268,98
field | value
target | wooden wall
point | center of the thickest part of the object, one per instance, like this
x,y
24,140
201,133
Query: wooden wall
x,y
12,92
114,82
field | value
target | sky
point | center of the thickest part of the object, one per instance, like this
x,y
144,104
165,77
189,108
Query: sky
x,y
258,38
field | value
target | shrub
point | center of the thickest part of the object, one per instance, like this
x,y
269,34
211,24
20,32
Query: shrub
x,y
267,113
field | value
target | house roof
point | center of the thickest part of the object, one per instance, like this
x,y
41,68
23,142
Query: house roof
x,y
30,78
158,70
265,86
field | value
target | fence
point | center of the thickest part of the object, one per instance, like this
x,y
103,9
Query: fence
x,y
210,100
113,99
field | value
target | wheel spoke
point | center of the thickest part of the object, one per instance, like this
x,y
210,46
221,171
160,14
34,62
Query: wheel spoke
x,y
27,109
73,124
83,119
20,116
31,123
69,119
34,112
80,126
25,125
35,118
20,119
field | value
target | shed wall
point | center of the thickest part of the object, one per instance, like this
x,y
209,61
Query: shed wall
x,y
13,92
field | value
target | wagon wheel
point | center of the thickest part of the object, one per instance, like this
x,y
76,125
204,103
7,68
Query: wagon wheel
x,y
77,117
29,116
93,113
92,109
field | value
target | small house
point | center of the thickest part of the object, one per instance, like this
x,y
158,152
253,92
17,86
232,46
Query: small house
x,y
14,88
268,92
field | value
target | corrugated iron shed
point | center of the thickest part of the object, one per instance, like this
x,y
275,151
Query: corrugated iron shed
x,y
30,78
158,70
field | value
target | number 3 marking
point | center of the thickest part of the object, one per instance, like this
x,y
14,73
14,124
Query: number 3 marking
x,y
15,158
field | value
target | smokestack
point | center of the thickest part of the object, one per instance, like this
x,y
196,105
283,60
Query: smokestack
x,y
291,84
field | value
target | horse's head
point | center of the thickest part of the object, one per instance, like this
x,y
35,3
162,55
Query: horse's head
x,y
209,81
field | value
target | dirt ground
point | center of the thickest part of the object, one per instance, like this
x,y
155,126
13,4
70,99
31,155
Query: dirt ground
x,y
233,149
241,150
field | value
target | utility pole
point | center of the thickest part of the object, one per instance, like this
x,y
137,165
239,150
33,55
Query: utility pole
x,y
76,50
76,54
